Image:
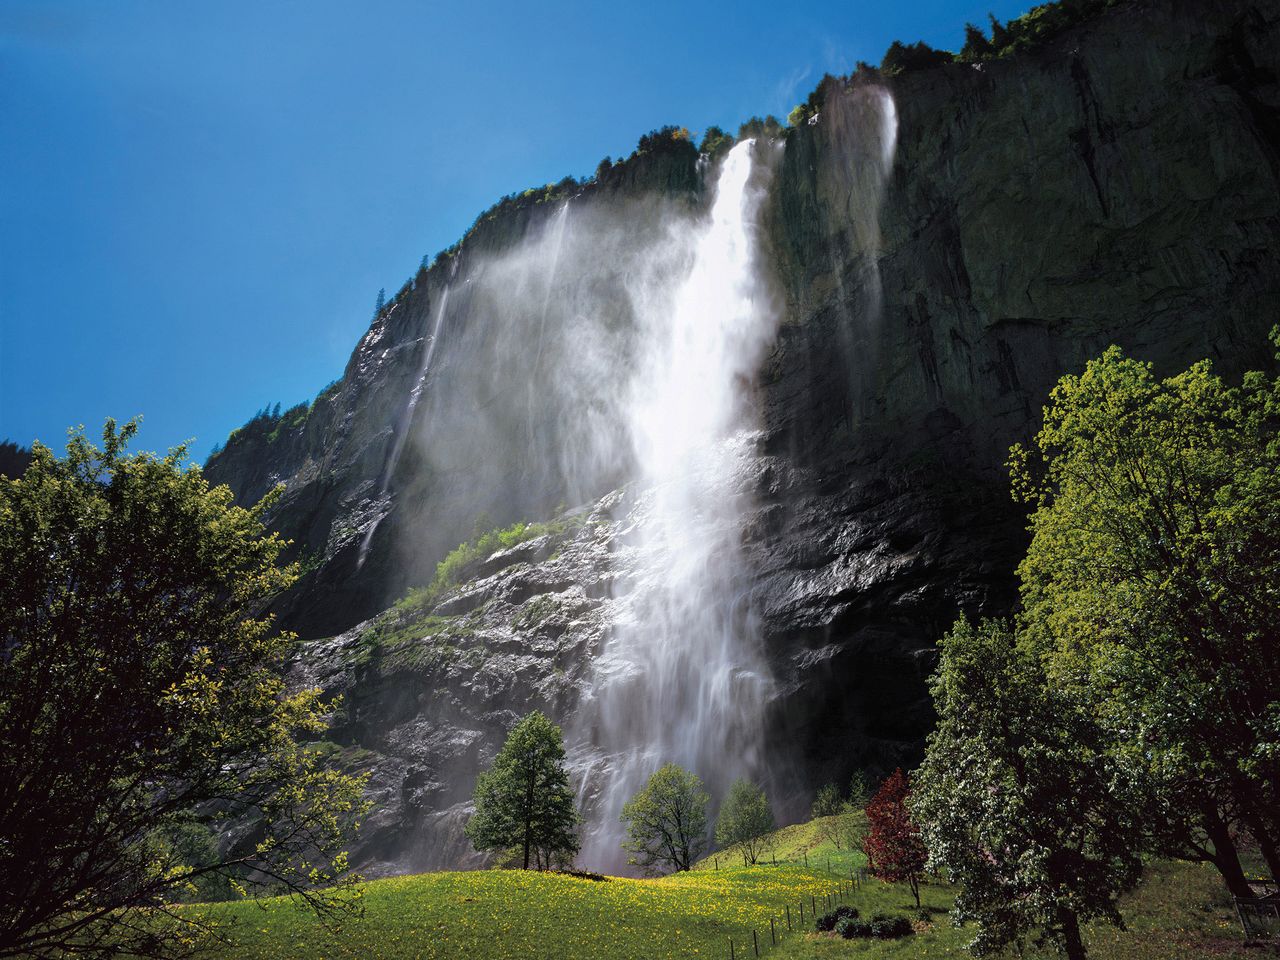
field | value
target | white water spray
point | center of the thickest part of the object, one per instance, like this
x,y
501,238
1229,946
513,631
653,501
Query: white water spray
x,y
682,677
428,351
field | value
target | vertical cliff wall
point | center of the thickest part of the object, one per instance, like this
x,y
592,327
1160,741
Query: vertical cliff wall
x,y
944,244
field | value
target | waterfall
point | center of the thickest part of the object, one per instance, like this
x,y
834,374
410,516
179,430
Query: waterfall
x,y
682,676
406,423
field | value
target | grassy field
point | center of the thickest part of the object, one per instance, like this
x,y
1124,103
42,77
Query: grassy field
x,y
1178,912
509,913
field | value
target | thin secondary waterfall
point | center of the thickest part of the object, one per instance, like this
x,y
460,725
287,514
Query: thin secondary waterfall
x,y
682,677
402,433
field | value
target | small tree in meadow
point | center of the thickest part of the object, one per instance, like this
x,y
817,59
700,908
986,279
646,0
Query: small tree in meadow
x,y
861,789
745,820
895,852
667,820
827,802
524,801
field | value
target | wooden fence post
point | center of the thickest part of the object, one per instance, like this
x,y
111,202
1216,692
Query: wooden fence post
x,y
788,916
755,941
731,956
773,935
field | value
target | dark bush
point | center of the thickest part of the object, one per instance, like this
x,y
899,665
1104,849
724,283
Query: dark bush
x,y
890,928
849,928
829,921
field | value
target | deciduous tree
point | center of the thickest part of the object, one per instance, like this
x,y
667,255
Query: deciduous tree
x,y
143,709
524,801
827,802
1018,798
1150,585
667,820
895,852
745,820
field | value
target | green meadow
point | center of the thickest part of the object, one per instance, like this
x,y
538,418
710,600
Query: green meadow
x,y
1178,911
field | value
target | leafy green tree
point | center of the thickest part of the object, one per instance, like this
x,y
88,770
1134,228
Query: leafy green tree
x,y
861,789
1150,581
745,820
524,801
1019,800
143,709
827,803
667,820
715,143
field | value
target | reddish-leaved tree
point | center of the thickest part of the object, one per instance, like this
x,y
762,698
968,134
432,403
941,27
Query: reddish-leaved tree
x,y
895,852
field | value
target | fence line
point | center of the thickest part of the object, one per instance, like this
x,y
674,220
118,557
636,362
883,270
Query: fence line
x,y
844,892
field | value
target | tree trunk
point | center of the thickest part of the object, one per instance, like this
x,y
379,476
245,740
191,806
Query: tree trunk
x,y
528,819
1266,843
1225,856
915,890
1071,942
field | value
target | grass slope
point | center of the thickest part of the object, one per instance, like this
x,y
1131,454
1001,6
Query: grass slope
x,y
509,913
1179,911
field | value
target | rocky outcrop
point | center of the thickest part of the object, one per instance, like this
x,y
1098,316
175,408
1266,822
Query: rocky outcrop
x,y
947,243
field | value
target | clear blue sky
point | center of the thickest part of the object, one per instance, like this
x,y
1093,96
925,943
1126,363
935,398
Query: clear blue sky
x,y
199,201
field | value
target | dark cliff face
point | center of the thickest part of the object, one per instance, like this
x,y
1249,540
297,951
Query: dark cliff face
x,y
947,243
1117,186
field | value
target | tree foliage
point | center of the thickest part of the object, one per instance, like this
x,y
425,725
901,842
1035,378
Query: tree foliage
x,y
895,852
976,45
524,801
142,709
861,789
905,57
1018,799
715,143
1152,582
667,820
745,819
828,801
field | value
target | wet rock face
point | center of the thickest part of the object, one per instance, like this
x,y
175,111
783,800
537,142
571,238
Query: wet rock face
x,y
947,244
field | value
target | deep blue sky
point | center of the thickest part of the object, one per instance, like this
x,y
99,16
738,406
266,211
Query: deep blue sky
x,y
200,200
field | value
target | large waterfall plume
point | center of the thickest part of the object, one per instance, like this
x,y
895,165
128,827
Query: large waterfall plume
x,y
682,677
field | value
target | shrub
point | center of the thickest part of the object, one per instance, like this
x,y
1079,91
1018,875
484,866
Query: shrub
x,y
827,802
884,927
851,927
830,921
